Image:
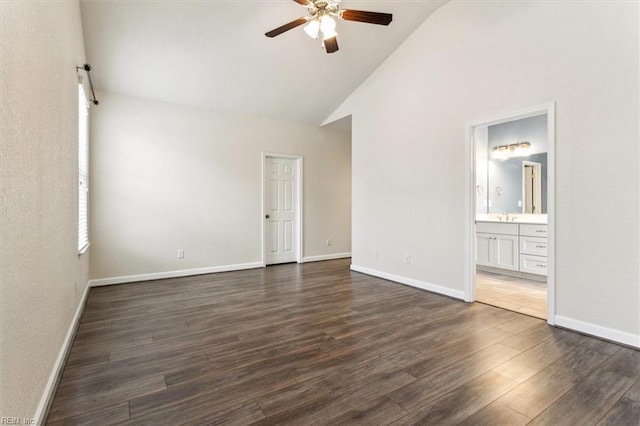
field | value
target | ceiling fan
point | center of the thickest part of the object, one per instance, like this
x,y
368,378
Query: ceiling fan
x,y
321,20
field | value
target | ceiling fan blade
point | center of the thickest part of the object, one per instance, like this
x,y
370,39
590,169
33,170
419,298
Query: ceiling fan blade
x,y
302,2
286,27
368,17
331,45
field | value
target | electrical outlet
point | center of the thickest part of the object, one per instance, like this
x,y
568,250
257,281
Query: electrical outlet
x,y
407,259
180,254
375,254
328,241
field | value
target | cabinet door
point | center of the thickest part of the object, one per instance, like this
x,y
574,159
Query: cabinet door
x,y
506,252
484,249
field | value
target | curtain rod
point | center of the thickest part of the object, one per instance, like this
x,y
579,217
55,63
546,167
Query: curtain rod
x,y
87,68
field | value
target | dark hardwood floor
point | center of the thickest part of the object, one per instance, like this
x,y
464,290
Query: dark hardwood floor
x,y
318,344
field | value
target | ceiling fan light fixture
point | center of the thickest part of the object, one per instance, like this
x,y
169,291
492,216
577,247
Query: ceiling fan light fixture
x,y
312,28
328,27
330,34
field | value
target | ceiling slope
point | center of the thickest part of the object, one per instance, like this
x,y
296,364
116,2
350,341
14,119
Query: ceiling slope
x,y
214,54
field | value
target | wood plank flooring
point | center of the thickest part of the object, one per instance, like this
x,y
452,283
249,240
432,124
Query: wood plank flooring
x,y
515,294
318,344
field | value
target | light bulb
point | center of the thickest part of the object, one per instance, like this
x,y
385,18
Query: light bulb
x,y
522,149
328,27
312,29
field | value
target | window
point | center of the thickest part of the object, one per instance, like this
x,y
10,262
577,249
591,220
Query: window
x,y
83,171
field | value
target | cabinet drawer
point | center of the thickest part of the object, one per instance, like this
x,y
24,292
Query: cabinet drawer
x,y
533,230
533,264
497,228
533,245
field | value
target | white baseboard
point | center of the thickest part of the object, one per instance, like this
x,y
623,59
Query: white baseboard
x,y
457,294
173,274
58,366
325,257
606,333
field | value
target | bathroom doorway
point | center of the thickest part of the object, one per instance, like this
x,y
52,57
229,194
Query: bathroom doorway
x,y
510,239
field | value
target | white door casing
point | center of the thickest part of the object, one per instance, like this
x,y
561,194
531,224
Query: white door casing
x,y
281,209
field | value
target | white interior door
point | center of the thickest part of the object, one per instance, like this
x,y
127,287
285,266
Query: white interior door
x,y
280,214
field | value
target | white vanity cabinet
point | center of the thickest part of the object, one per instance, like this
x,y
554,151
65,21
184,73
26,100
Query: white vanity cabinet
x,y
533,249
497,245
512,246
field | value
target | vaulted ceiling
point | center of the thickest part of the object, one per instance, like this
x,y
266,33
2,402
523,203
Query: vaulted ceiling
x,y
214,53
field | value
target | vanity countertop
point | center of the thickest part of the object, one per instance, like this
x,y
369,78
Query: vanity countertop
x,y
538,219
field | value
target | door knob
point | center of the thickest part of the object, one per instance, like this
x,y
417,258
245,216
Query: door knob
x,y
267,216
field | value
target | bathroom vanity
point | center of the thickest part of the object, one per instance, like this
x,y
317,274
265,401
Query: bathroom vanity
x,y
514,245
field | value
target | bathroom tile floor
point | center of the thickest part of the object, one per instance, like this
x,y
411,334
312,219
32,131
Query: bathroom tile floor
x,y
515,294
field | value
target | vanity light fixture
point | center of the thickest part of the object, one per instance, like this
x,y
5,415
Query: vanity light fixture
x,y
511,150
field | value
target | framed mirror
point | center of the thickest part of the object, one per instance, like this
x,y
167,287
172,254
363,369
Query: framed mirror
x,y
511,167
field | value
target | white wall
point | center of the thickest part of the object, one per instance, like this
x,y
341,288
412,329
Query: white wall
x,y
41,46
168,177
476,60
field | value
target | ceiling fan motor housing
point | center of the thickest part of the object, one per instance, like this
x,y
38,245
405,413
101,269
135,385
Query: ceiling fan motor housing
x,y
324,7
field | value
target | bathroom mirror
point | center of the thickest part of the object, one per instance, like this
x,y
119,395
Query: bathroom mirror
x,y
511,167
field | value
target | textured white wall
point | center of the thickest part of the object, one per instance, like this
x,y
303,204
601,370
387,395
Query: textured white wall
x,y
41,46
476,60
167,177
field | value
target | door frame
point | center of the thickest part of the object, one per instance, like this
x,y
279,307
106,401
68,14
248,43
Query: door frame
x,y
298,191
470,200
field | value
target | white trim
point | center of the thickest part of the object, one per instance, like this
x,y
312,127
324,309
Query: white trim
x,y
326,257
470,199
606,333
52,384
434,288
173,274
469,274
513,116
299,203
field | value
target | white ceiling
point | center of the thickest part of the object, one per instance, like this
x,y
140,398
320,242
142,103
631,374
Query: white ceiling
x,y
214,53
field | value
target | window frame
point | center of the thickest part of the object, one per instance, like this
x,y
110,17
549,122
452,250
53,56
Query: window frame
x,y
83,170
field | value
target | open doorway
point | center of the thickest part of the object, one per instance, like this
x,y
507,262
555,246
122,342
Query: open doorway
x,y
511,216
